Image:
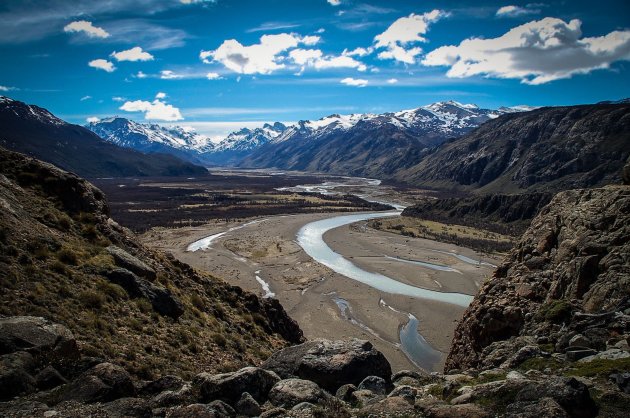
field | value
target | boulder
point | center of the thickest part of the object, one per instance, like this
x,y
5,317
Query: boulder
x,y
290,392
391,406
571,394
230,386
49,378
38,336
14,382
162,300
376,384
102,383
127,261
181,396
622,380
408,393
197,411
545,407
274,413
330,364
128,407
164,383
247,406
612,354
361,398
345,392
436,409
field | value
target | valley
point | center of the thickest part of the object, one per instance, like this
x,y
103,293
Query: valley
x,y
403,294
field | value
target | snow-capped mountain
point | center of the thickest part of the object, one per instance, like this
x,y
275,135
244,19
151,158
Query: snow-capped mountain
x,y
247,139
150,137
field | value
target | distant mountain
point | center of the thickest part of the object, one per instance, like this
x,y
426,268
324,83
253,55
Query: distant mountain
x,y
35,131
547,149
370,144
184,142
153,138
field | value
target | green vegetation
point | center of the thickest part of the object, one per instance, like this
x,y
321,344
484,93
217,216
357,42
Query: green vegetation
x,y
599,368
556,311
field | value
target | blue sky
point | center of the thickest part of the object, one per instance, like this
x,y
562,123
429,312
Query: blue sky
x,y
218,65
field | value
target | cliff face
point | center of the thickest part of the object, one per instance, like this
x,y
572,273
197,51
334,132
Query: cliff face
x,y
548,149
63,258
565,287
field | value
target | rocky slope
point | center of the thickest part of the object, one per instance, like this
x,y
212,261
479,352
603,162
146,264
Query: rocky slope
x,y
36,132
63,258
547,149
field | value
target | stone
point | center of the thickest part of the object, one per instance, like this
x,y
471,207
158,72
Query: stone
x,y
222,408
330,364
102,383
164,383
49,378
361,398
183,395
247,406
376,384
579,340
128,407
545,407
274,413
440,410
290,392
405,392
572,395
162,300
229,386
127,261
612,354
524,353
622,380
344,393
574,354
14,382
304,406
38,336
195,411
391,406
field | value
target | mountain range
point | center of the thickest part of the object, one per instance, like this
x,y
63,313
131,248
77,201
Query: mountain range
x,y
35,131
275,145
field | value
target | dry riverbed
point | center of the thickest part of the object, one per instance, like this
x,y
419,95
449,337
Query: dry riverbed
x,y
327,304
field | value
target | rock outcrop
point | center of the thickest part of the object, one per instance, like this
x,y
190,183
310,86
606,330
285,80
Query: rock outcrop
x,y
565,284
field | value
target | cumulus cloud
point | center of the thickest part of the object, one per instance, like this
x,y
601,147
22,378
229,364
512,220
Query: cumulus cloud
x,y
7,88
334,2
358,52
92,119
155,110
140,74
515,11
357,82
118,99
86,27
84,98
262,58
213,76
168,75
133,54
536,52
392,81
403,32
160,95
102,64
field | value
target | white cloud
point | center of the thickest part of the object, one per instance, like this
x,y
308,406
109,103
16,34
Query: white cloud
x,y
392,81
160,95
536,52
197,1
213,76
515,11
155,110
140,74
102,64
405,31
7,88
92,119
315,58
118,99
334,2
133,54
169,75
84,98
87,28
358,52
262,58
357,82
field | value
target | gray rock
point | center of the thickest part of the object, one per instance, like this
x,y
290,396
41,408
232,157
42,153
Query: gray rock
x,y
362,398
274,412
229,386
389,407
103,383
345,392
304,406
162,300
376,384
612,354
290,392
15,381
575,354
127,261
196,411
405,392
128,407
330,364
164,383
49,378
572,395
545,407
181,396
579,340
524,353
247,406
37,336
222,409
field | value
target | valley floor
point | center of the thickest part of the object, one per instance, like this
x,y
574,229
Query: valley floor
x,y
327,304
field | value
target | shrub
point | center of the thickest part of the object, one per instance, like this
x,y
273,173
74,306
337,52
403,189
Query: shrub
x,y
218,339
58,267
555,311
67,256
197,302
91,299
112,290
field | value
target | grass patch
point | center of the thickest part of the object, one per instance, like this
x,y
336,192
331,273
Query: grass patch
x,y
599,368
556,311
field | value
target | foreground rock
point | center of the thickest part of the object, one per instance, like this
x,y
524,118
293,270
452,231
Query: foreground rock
x,y
330,364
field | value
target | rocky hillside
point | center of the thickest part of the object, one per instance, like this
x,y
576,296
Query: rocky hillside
x,y
64,259
36,132
504,214
547,149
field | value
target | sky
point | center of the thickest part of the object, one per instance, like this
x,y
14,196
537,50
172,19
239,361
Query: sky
x,y
218,65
